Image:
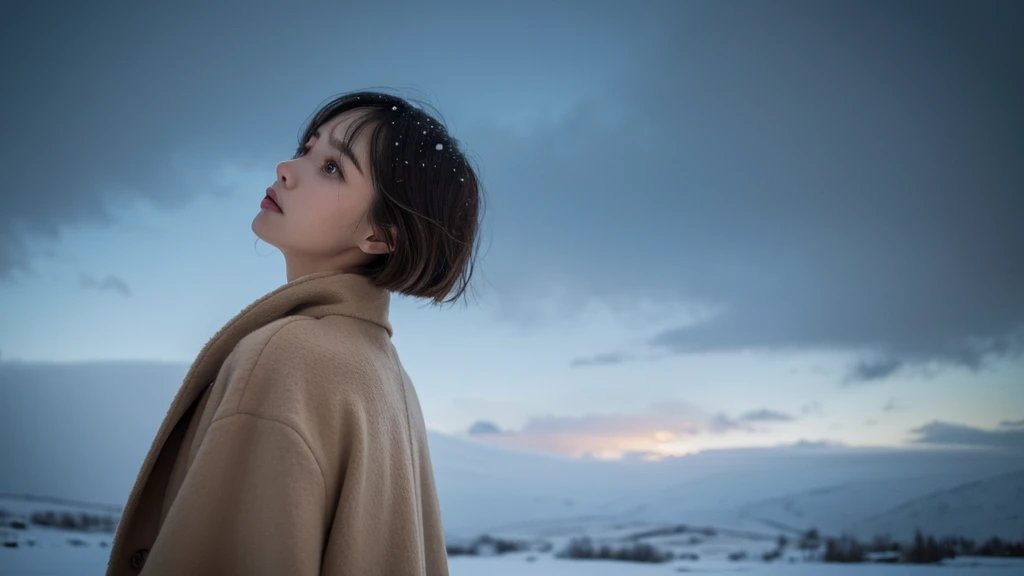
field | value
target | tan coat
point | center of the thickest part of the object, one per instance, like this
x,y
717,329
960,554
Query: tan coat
x,y
295,445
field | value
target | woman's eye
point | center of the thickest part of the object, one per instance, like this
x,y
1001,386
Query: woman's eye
x,y
331,163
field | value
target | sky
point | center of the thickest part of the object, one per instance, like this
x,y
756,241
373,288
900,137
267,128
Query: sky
x,y
708,225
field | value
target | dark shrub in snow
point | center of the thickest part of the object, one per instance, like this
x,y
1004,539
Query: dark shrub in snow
x,y
80,522
488,546
844,549
583,548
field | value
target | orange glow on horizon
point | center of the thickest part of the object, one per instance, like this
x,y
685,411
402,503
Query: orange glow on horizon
x,y
651,447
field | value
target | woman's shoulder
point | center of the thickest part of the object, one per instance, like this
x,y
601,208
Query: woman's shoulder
x,y
313,378
297,359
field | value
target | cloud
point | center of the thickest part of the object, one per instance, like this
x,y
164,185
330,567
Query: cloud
x,y
815,444
822,202
122,125
799,181
1012,424
663,429
766,416
722,423
945,433
484,428
59,420
109,282
129,134
893,405
872,370
601,359
811,408
610,434
637,456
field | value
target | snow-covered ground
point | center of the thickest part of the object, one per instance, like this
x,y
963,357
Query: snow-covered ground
x,y
93,561
696,549
514,565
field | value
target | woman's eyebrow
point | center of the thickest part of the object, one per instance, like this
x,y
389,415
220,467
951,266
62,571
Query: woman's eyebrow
x,y
343,148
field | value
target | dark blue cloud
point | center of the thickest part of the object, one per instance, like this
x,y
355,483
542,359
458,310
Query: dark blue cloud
x,y
601,359
484,428
840,176
892,405
765,415
107,283
958,434
832,176
873,370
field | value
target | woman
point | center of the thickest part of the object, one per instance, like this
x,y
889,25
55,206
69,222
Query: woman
x,y
296,444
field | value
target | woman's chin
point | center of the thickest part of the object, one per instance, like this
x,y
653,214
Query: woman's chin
x,y
260,228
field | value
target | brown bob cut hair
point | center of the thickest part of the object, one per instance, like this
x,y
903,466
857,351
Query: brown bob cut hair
x,y
423,186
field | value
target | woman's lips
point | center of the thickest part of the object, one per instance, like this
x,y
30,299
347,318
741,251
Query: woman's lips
x,y
269,204
270,201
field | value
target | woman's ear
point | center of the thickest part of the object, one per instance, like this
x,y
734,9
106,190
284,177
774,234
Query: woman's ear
x,y
376,244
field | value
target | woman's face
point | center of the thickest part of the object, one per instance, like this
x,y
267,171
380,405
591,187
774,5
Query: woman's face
x,y
320,218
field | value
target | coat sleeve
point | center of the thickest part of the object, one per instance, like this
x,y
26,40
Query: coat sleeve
x,y
251,503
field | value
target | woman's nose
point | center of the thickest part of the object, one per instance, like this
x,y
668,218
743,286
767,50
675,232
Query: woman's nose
x,y
284,174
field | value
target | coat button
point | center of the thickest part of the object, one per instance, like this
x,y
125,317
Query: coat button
x,y
139,559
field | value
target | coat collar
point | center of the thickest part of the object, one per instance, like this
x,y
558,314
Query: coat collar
x,y
314,295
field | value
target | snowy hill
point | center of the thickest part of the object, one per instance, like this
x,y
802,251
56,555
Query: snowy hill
x,y
487,488
484,486
978,509
981,509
